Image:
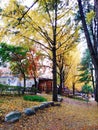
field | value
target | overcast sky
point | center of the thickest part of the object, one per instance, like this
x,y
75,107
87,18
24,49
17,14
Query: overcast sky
x,y
26,2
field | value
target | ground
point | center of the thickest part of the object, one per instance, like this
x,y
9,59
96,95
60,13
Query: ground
x,y
71,115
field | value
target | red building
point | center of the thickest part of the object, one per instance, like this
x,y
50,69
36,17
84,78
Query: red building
x,y
45,84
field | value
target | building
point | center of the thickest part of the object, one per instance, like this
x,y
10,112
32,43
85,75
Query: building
x,y
45,84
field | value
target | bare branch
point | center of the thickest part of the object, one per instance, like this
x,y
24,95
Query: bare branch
x,y
27,11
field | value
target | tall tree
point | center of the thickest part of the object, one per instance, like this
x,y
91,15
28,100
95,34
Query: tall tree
x,y
86,69
34,65
46,27
63,62
71,79
16,55
91,34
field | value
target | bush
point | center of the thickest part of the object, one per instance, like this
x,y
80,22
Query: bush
x,y
87,89
34,98
4,88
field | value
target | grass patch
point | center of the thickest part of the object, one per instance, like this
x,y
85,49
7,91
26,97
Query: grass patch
x,y
36,98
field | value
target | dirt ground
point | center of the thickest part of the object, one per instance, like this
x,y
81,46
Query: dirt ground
x,y
71,115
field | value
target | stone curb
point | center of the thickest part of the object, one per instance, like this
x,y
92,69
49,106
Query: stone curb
x,y
16,115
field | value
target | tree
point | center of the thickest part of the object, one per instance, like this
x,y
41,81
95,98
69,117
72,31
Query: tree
x,y
91,34
72,73
84,68
17,58
63,63
87,89
34,65
46,27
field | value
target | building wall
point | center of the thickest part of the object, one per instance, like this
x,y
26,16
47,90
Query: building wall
x,y
15,81
45,85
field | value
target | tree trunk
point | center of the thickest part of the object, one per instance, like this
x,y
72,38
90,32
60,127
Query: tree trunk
x,y
54,76
92,78
92,49
96,8
35,91
54,53
61,81
73,87
24,81
96,36
61,84
96,88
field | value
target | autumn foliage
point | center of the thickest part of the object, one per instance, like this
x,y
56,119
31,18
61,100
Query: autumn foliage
x,y
71,115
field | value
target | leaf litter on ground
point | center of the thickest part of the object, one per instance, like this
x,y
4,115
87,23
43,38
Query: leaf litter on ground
x,y
72,115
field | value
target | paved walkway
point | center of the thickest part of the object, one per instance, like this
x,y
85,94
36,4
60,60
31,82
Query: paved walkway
x,y
91,102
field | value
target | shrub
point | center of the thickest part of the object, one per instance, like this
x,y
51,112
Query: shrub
x,y
34,98
87,89
5,88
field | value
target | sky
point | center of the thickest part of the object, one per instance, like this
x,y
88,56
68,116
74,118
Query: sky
x,y
2,3
28,2
25,2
